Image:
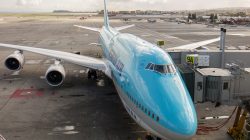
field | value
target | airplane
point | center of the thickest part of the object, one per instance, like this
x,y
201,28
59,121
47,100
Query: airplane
x,y
151,20
145,77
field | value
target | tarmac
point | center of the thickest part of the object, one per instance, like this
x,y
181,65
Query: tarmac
x,y
85,109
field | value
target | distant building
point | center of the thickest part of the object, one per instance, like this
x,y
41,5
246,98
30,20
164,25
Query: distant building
x,y
112,13
124,12
133,12
62,11
139,12
101,12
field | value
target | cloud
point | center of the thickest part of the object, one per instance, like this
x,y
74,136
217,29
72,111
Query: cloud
x,y
28,2
93,5
139,1
138,4
176,4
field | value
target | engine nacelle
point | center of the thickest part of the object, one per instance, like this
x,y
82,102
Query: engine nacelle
x,y
55,75
15,61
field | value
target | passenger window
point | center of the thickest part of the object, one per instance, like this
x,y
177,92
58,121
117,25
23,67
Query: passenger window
x,y
153,115
149,113
157,119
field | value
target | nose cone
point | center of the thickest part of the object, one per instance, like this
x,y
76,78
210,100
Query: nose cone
x,y
184,123
178,109
174,105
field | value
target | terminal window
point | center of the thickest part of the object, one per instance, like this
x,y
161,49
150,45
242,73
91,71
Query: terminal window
x,y
225,86
199,86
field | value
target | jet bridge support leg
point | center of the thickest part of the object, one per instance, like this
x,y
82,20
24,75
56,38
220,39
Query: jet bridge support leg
x,y
236,132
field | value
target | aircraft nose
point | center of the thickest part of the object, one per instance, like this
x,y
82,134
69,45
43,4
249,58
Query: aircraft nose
x,y
182,116
186,125
171,102
178,110
182,122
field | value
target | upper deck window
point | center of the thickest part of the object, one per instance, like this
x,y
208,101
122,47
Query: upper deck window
x,y
163,69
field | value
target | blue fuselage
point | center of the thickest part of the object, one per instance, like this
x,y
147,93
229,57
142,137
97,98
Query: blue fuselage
x,y
158,102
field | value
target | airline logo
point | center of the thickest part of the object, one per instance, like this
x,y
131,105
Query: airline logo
x,y
115,61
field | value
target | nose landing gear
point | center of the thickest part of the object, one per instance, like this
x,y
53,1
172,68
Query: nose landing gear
x,y
150,137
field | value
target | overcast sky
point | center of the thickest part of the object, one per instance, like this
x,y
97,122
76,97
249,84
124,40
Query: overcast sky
x,y
93,5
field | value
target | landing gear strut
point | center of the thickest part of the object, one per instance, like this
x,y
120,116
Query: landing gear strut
x,y
92,74
149,137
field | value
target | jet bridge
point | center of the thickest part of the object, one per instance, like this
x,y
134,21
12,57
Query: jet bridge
x,y
222,86
227,86
219,76
207,81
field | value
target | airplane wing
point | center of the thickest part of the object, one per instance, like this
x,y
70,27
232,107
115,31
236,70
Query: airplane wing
x,y
88,28
81,60
124,27
194,45
98,30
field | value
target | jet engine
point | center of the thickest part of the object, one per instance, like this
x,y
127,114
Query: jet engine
x,y
15,61
55,75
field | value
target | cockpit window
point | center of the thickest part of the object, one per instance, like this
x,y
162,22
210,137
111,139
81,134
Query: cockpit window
x,y
152,67
160,68
148,66
171,69
164,69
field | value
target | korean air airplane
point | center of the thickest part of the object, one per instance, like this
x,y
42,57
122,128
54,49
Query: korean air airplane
x,y
146,78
